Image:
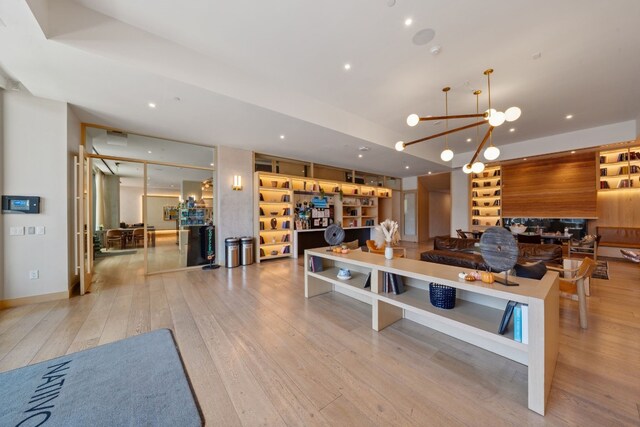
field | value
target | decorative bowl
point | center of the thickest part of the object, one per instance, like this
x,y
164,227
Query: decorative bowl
x,y
517,228
274,252
274,213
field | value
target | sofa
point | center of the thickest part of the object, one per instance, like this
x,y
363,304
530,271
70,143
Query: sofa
x,y
464,253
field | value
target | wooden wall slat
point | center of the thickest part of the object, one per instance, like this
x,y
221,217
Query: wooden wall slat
x,y
562,187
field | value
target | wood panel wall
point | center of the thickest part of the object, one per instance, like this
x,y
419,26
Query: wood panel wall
x,y
617,208
563,187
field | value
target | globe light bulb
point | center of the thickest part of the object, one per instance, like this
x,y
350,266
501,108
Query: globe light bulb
x,y
491,153
512,114
497,119
446,155
490,113
477,167
413,119
400,146
466,168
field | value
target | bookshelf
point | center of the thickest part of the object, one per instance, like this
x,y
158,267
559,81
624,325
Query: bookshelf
x,y
274,199
475,318
619,168
486,198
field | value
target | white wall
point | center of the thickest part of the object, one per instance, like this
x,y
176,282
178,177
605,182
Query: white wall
x,y
459,201
155,212
35,162
131,205
410,183
439,213
235,210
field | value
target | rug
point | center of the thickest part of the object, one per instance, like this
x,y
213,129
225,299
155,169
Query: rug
x,y
601,271
137,381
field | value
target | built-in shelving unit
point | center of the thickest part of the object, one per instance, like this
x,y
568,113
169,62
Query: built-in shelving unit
x,y
619,168
275,215
475,318
486,198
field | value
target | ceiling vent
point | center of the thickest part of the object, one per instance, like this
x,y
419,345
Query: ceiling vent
x,y
116,138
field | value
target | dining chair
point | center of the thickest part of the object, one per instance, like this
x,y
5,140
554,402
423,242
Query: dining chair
x,y
461,234
138,236
572,283
115,237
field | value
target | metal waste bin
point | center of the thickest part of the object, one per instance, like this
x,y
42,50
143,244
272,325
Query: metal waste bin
x,y
231,252
246,250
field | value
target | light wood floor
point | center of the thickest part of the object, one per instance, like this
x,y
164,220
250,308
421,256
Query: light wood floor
x,y
259,353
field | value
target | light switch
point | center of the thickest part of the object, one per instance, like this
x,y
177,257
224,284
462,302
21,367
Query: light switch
x,y
40,229
31,230
16,231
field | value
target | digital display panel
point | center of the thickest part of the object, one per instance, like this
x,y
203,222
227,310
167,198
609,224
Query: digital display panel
x,y
19,205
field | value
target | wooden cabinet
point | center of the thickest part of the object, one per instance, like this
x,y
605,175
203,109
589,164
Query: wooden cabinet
x,y
486,198
619,168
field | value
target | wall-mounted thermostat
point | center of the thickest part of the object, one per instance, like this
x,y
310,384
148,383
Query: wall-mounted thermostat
x,y
21,204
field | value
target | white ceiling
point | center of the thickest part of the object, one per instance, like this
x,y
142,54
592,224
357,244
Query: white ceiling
x,y
247,71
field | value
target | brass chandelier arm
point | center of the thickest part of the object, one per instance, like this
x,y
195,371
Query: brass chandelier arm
x,y
484,140
459,116
406,144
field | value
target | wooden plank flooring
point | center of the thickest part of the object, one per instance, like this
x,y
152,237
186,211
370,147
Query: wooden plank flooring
x,y
259,353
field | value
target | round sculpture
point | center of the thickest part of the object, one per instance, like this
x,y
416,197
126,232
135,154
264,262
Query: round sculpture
x,y
334,235
499,250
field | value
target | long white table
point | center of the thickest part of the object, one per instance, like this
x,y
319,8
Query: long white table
x,y
475,318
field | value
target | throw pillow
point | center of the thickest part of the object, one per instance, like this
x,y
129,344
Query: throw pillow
x,y
535,270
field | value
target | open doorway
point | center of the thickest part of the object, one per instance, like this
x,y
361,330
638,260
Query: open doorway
x,y
149,198
434,206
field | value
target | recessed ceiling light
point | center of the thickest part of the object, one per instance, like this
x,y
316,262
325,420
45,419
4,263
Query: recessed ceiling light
x,y
468,139
152,105
573,151
524,158
406,167
360,156
149,151
281,136
512,130
347,66
211,164
429,172
408,22
568,116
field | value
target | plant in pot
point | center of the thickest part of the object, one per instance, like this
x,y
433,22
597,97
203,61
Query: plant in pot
x,y
386,233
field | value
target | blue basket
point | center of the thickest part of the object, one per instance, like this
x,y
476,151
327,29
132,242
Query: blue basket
x,y
442,296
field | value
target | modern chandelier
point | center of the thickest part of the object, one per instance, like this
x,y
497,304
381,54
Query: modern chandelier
x,y
491,117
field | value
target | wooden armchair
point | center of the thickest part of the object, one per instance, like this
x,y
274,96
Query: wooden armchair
x,y
115,237
138,237
371,245
573,284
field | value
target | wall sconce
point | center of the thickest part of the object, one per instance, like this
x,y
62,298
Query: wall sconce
x,y
237,183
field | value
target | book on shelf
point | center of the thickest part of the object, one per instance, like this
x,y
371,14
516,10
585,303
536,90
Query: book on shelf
x,y
624,183
261,212
603,171
604,184
397,285
506,317
624,170
285,250
517,323
315,264
262,252
367,283
525,324
261,240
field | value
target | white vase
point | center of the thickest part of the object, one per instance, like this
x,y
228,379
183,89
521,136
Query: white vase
x,y
388,252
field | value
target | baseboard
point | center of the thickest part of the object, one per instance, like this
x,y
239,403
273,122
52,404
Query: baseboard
x,y
7,303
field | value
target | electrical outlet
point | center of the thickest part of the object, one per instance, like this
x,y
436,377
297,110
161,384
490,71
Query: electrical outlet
x,y
31,230
34,274
40,229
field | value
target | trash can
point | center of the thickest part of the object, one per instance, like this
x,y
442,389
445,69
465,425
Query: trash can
x,y
231,252
246,250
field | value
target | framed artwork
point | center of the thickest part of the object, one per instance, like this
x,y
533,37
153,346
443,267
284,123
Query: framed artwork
x,y
170,213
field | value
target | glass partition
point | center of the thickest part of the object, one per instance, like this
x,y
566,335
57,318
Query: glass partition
x,y
179,206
